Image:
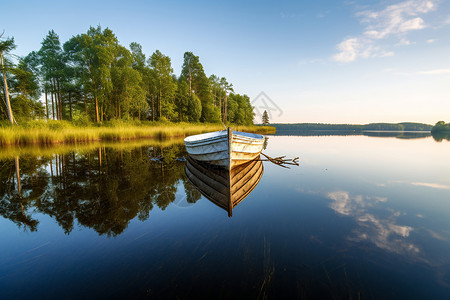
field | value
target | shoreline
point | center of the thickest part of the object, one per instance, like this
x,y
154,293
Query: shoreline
x,y
59,133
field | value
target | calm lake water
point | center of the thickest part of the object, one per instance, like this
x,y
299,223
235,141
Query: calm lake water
x,y
362,217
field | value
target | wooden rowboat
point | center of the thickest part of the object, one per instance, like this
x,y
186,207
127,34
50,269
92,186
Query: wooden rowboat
x,y
225,188
225,148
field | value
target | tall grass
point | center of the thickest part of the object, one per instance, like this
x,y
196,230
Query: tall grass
x,y
63,132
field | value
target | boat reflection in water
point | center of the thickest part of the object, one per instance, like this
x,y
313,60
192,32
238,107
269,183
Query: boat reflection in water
x,y
225,188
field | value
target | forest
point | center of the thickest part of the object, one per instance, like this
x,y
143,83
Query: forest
x,y
93,78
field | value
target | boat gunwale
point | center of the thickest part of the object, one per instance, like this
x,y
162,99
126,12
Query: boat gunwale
x,y
210,136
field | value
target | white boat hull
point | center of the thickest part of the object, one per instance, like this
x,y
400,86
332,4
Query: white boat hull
x,y
224,148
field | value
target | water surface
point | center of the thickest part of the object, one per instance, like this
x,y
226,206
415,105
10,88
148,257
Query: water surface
x,y
363,216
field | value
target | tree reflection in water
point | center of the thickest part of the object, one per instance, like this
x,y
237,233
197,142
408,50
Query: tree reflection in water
x,y
440,136
102,189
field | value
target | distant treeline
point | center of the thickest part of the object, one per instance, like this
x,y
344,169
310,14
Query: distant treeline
x,y
441,126
370,133
93,77
406,126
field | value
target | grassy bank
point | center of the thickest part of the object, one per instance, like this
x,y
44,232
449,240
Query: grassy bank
x,y
62,132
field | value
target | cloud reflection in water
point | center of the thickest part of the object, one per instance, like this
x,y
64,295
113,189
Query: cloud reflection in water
x,y
383,232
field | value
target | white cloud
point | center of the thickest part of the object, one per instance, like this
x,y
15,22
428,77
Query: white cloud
x,y
432,185
435,72
349,50
352,48
392,21
403,42
431,41
413,24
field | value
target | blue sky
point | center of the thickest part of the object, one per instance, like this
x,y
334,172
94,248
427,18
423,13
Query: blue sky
x,y
318,61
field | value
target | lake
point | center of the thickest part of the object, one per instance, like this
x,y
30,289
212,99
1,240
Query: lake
x,y
363,216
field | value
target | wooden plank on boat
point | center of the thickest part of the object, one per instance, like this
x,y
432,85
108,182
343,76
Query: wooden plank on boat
x,y
224,148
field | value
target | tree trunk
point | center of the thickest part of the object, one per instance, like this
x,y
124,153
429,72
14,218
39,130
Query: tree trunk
x,y
190,83
46,103
95,95
53,107
61,102
96,109
5,84
225,108
55,92
58,93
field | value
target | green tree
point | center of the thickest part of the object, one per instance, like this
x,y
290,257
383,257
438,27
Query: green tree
x,y
164,83
182,100
138,56
240,109
25,90
226,89
192,71
52,68
194,111
220,89
6,46
441,126
265,118
94,54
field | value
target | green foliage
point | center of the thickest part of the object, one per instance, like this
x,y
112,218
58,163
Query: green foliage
x,y
194,110
25,109
82,121
192,72
265,118
441,126
408,126
5,47
240,111
138,56
181,100
25,80
92,77
164,84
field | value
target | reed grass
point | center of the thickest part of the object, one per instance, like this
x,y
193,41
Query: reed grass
x,y
63,132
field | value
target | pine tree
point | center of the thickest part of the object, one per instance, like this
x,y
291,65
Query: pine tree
x,y
265,118
6,46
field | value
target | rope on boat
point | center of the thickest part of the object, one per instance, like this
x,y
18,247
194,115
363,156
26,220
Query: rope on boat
x,y
282,161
